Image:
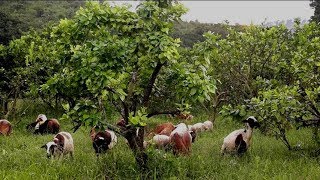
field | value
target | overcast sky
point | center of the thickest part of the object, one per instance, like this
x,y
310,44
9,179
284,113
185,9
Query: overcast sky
x,y
245,12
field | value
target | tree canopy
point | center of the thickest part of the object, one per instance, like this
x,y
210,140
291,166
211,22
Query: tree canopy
x,y
111,55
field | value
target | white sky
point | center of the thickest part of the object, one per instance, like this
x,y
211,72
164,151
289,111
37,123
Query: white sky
x,y
245,12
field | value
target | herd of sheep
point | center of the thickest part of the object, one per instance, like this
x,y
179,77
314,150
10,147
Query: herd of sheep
x,y
167,136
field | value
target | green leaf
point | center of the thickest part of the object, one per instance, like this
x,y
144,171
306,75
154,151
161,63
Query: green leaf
x,y
66,107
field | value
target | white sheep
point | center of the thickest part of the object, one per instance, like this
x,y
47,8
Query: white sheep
x,y
240,140
161,141
208,125
61,145
198,127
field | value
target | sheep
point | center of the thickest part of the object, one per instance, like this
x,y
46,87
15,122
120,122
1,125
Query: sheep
x,y
181,139
198,127
102,141
208,125
42,125
238,141
161,141
164,129
61,145
50,126
5,127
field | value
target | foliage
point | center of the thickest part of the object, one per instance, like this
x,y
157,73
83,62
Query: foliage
x,y
16,18
315,4
278,110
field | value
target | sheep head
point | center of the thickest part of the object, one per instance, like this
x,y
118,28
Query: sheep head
x,y
252,122
51,148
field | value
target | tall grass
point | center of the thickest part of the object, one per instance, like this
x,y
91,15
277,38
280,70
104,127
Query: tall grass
x,y
22,158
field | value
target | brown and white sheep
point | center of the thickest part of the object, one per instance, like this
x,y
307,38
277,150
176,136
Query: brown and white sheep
x,y
102,140
61,145
42,125
181,139
5,127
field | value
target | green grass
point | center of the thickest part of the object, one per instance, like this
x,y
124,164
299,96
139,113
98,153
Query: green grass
x,y
22,158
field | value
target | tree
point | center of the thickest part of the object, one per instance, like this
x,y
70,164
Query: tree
x,y
110,55
272,73
315,4
17,18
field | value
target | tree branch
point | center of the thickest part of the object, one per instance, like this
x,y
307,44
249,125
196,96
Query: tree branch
x,y
148,89
303,94
308,123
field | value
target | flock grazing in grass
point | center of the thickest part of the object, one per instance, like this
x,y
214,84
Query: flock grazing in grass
x,y
167,136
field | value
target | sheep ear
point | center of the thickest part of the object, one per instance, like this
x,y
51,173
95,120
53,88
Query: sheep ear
x,y
245,121
44,146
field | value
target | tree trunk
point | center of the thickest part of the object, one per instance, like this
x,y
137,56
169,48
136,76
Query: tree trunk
x,y
285,140
135,139
5,106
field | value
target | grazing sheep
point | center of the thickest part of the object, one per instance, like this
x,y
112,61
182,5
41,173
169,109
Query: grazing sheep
x,y
42,125
103,140
181,139
240,140
5,127
61,145
161,141
208,125
164,129
198,127
51,126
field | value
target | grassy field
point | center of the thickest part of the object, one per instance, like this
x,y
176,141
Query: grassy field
x,y
22,158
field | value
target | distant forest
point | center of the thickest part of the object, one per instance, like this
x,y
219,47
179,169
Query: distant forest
x,y
18,17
